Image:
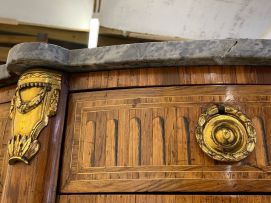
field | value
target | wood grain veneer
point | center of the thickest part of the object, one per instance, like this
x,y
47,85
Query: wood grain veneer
x,y
164,198
6,93
165,76
5,129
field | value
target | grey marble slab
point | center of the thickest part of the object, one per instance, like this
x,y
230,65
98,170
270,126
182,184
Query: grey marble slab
x,y
5,77
4,74
154,54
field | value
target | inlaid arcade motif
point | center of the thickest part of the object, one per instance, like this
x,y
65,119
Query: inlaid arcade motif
x,y
143,140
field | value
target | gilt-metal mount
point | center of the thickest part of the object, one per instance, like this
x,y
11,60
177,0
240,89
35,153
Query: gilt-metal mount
x,y
36,98
225,133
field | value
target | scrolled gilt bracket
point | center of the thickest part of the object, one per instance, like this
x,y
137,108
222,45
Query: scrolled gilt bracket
x,y
36,98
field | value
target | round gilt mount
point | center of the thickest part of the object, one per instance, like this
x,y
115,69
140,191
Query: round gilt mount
x,y
225,133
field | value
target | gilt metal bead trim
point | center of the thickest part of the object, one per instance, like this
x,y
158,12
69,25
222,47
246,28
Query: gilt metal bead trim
x,y
225,133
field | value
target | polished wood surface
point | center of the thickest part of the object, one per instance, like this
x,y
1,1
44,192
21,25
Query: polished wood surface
x,y
142,77
143,140
6,93
164,198
37,182
5,126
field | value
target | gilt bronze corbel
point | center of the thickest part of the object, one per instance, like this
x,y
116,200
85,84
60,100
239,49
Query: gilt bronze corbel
x,y
36,98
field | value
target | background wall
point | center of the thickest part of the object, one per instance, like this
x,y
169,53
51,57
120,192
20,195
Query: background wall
x,y
71,14
183,19
192,19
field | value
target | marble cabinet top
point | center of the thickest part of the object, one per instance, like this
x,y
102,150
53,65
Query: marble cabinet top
x,y
153,54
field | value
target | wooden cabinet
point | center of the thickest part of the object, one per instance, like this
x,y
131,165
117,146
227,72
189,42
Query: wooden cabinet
x,y
128,133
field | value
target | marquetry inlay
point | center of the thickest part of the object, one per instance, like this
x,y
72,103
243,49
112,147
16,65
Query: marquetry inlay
x,y
144,139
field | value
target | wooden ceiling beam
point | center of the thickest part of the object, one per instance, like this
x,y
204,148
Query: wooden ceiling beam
x,y
15,39
79,37
150,37
3,54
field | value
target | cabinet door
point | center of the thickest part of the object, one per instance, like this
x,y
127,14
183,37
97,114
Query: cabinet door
x,y
143,140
